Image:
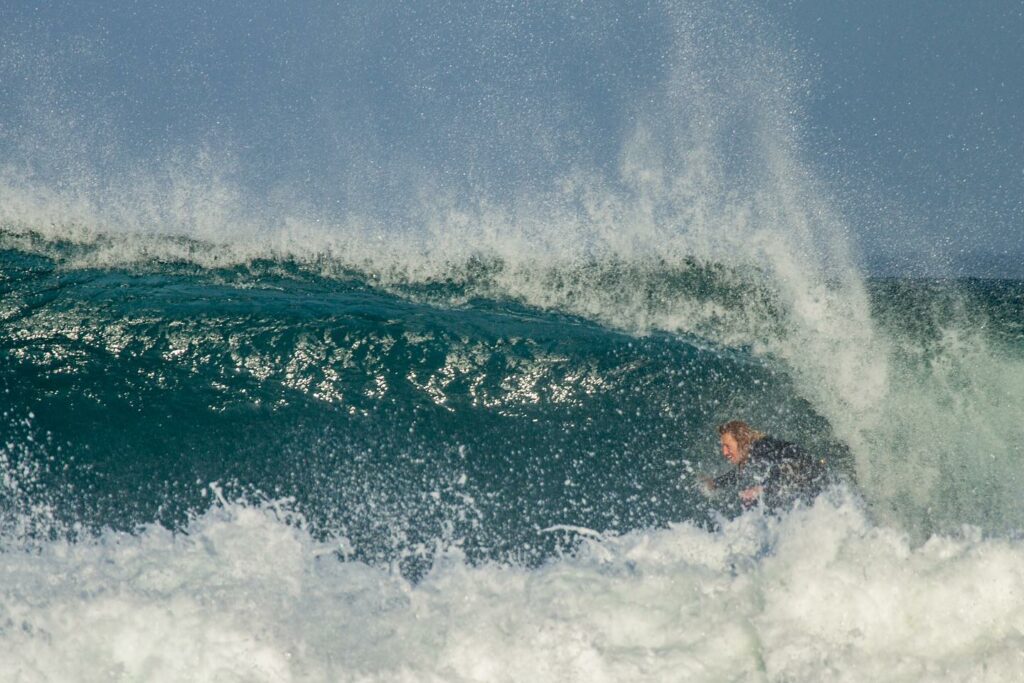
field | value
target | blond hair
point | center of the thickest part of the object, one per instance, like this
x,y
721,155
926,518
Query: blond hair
x,y
744,434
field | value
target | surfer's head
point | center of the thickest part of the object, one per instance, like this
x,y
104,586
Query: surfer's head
x,y
736,437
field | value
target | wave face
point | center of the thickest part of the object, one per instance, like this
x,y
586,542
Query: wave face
x,y
393,420
588,393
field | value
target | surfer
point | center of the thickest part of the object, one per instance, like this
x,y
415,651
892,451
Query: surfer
x,y
766,469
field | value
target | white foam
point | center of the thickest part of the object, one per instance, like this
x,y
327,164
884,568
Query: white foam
x,y
821,594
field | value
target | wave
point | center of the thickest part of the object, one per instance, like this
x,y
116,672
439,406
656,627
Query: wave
x,y
704,233
386,416
354,386
698,248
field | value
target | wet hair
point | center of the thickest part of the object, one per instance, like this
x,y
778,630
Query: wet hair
x,y
744,434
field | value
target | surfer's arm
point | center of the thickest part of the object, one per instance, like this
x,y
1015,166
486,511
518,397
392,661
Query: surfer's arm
x,y
721,481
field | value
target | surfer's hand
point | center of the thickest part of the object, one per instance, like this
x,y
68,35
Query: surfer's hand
x,y
750,496
708,483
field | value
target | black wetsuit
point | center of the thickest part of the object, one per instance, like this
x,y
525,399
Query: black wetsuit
x,y
784,471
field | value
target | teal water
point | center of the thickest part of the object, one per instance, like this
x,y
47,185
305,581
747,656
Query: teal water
x,y
400,416
395,422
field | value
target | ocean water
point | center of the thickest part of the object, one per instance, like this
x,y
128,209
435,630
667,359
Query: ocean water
x,y
268,416
285,470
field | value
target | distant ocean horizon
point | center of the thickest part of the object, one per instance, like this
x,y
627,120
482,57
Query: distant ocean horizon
x,y
992,265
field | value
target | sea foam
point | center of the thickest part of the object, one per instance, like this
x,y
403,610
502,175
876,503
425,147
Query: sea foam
x,y
244,594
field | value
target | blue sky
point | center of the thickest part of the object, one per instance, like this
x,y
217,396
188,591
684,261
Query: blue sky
x,y
924,101
911,111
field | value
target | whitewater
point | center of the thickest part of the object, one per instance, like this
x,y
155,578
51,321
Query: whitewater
x,y
821,594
